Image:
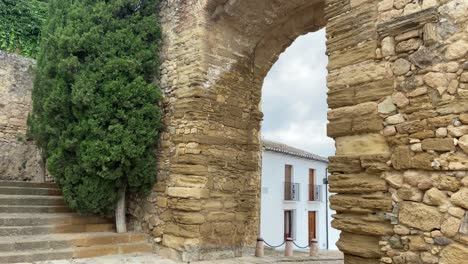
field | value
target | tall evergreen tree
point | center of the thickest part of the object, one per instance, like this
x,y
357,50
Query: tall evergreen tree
x,y
95,105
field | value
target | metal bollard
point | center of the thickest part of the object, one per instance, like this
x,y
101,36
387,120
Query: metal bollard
x,y
313,248
259,249
288,251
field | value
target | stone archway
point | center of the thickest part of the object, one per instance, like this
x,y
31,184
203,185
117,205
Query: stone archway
x,y
387,60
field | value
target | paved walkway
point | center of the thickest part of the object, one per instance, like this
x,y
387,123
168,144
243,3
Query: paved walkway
x,y
329,257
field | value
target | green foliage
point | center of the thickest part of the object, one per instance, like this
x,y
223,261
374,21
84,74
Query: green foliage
x,y
95,112
20,24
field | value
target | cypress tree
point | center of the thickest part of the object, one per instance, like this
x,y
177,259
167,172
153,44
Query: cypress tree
x,y
95,104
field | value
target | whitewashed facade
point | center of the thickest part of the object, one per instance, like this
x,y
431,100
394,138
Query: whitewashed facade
x,y
294,190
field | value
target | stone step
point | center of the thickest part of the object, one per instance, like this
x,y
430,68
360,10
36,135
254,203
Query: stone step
x,y
29,191
61,241
31,200
27,209
75,252
97,251
36,225
52,229
28,184
50,219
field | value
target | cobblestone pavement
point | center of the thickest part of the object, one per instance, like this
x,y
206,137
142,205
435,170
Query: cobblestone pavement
x,y
329,257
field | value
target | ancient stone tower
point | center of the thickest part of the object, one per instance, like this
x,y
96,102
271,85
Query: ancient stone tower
x,y
398,93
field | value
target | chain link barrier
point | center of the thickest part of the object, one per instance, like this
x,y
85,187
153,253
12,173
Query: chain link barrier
x,y
308,246
284,242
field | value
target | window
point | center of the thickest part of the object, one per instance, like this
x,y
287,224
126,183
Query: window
x,y
287,173
291,190
315,190
312,185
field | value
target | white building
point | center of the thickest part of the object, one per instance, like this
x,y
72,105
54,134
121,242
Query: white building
x,y
295,197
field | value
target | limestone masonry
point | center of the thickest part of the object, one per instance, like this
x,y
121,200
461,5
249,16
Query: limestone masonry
x,y
398,93
19,159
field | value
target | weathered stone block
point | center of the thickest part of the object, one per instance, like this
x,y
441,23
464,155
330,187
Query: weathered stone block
x,y
357,224
191,181
375,163
412,127
420,216
450,226
359,245
410,194
446,182
435,197
362,118
343,34
187,205
438,144
417,243
186,231
441,121
350,259
408,45
188,218
185,192
221,216
407,23
457,50
173,242
344,164
362,52
452,107
356,75
356,183
366,144
361,203
460,198
189,169
454,253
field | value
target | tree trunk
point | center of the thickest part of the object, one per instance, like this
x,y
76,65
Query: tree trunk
x,y
43,166
120,211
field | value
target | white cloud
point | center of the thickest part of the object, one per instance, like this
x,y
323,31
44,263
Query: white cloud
x,y
294,96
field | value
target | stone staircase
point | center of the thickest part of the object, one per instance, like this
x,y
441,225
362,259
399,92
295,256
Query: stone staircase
x,y
36,225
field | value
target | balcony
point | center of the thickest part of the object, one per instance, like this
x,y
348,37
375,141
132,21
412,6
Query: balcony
x,y
315,193
291,191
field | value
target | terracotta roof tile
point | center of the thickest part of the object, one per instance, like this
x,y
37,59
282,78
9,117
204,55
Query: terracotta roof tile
x,y
285,149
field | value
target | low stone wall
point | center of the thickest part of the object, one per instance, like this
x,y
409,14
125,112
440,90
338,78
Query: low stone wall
x,y
19,159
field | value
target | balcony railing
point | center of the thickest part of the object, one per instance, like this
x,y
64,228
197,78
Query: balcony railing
x,y
315,193
291,191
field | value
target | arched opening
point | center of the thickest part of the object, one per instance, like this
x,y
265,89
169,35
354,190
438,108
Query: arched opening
x,y
295,148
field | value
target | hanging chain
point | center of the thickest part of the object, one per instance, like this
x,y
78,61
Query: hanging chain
x,y
300,246
274,246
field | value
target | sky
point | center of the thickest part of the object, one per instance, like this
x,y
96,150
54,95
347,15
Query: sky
x,y
294,97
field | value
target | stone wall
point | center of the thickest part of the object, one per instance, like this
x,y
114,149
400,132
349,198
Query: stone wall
x,y
398,97
19,158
